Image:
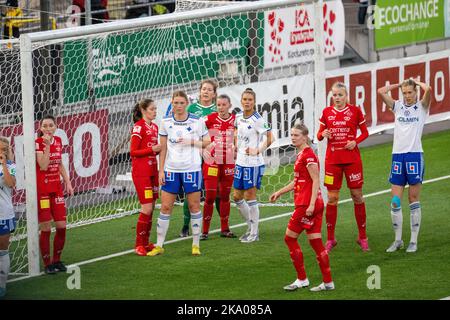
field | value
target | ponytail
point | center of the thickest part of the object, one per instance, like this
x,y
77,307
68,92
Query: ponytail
x,y
138,107
304,130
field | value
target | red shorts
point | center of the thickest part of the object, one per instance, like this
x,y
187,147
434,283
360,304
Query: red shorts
x,y
214,173
300,221
353,173
51,206
147,188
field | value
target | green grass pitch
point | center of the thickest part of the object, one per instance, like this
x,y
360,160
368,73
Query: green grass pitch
x,y
230,270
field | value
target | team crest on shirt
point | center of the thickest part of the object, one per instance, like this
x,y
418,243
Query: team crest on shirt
x,y
349,113
179,133
137,129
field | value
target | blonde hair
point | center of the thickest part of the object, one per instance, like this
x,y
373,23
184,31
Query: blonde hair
x,y
340,85
182,94
409,82
9,154
304,131
211,82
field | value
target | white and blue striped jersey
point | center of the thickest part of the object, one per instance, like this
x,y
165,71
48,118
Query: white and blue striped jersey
x,y
6,205
250,134
182,157
409,122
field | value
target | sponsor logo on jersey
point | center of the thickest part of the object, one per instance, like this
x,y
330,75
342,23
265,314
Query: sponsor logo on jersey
x,y
408,120
347,118
229,171
331,118
339,123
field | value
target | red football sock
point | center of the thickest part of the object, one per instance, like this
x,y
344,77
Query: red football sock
x,y
296,256
224,209
44,245
322,259
58,244
142,229
208,208
149,228
331,216
360,215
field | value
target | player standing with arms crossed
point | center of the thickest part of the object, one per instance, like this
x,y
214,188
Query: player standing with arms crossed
x,y
407,155
249,170
339,124
51,203
182,137
308,212
144,169
205,106
218,170
7,218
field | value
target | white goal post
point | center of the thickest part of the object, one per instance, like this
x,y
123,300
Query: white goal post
x,y
235,73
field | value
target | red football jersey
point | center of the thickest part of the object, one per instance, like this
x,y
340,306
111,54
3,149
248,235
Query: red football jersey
x,y
343,125
143,160
302,180
221,132
49,180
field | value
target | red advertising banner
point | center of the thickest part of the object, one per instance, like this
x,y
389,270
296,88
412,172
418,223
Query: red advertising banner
x,y
364,81
85,150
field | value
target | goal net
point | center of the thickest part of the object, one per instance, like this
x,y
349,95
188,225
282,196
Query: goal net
x,y
91,77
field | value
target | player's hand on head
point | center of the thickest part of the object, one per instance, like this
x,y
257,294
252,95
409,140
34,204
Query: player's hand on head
x,y
350,145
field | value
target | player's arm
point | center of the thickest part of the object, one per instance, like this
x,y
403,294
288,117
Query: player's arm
x,y
136,152
363,136
323,132
43,157
8,178
387,99
277,194
162,159
63,173
426,99
313,170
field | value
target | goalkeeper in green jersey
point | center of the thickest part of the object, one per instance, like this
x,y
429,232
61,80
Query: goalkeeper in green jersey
x,y
206,104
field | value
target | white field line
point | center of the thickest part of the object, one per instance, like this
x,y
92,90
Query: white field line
x,y
216,231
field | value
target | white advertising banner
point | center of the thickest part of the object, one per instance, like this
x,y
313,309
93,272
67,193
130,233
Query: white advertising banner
x,y
289,34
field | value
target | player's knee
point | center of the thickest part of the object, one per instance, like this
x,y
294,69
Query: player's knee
x,y
395,202
166,208
333,199
288,239
413,198
194,206
45,226
210,197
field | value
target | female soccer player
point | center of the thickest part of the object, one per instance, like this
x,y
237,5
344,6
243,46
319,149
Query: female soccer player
x,y
144,169
249,170
218,169
183,136
308,212
51,204
205,106
339,124
407,155
7,219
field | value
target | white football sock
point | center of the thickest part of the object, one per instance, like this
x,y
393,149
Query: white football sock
x,y
254,216
161,228
196,225
4,267
244,210
397,222
416,216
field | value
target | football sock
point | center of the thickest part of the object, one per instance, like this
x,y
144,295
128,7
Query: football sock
x,y
322,259
331,216
4,267
224,214
142,229
416,216
296,256
244,210
217,203
196,224
360,216
161,228
254,216
397,222
208,208
44,245
186,213
58,244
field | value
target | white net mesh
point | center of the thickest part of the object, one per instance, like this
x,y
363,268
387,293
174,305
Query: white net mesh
x,y
91,84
